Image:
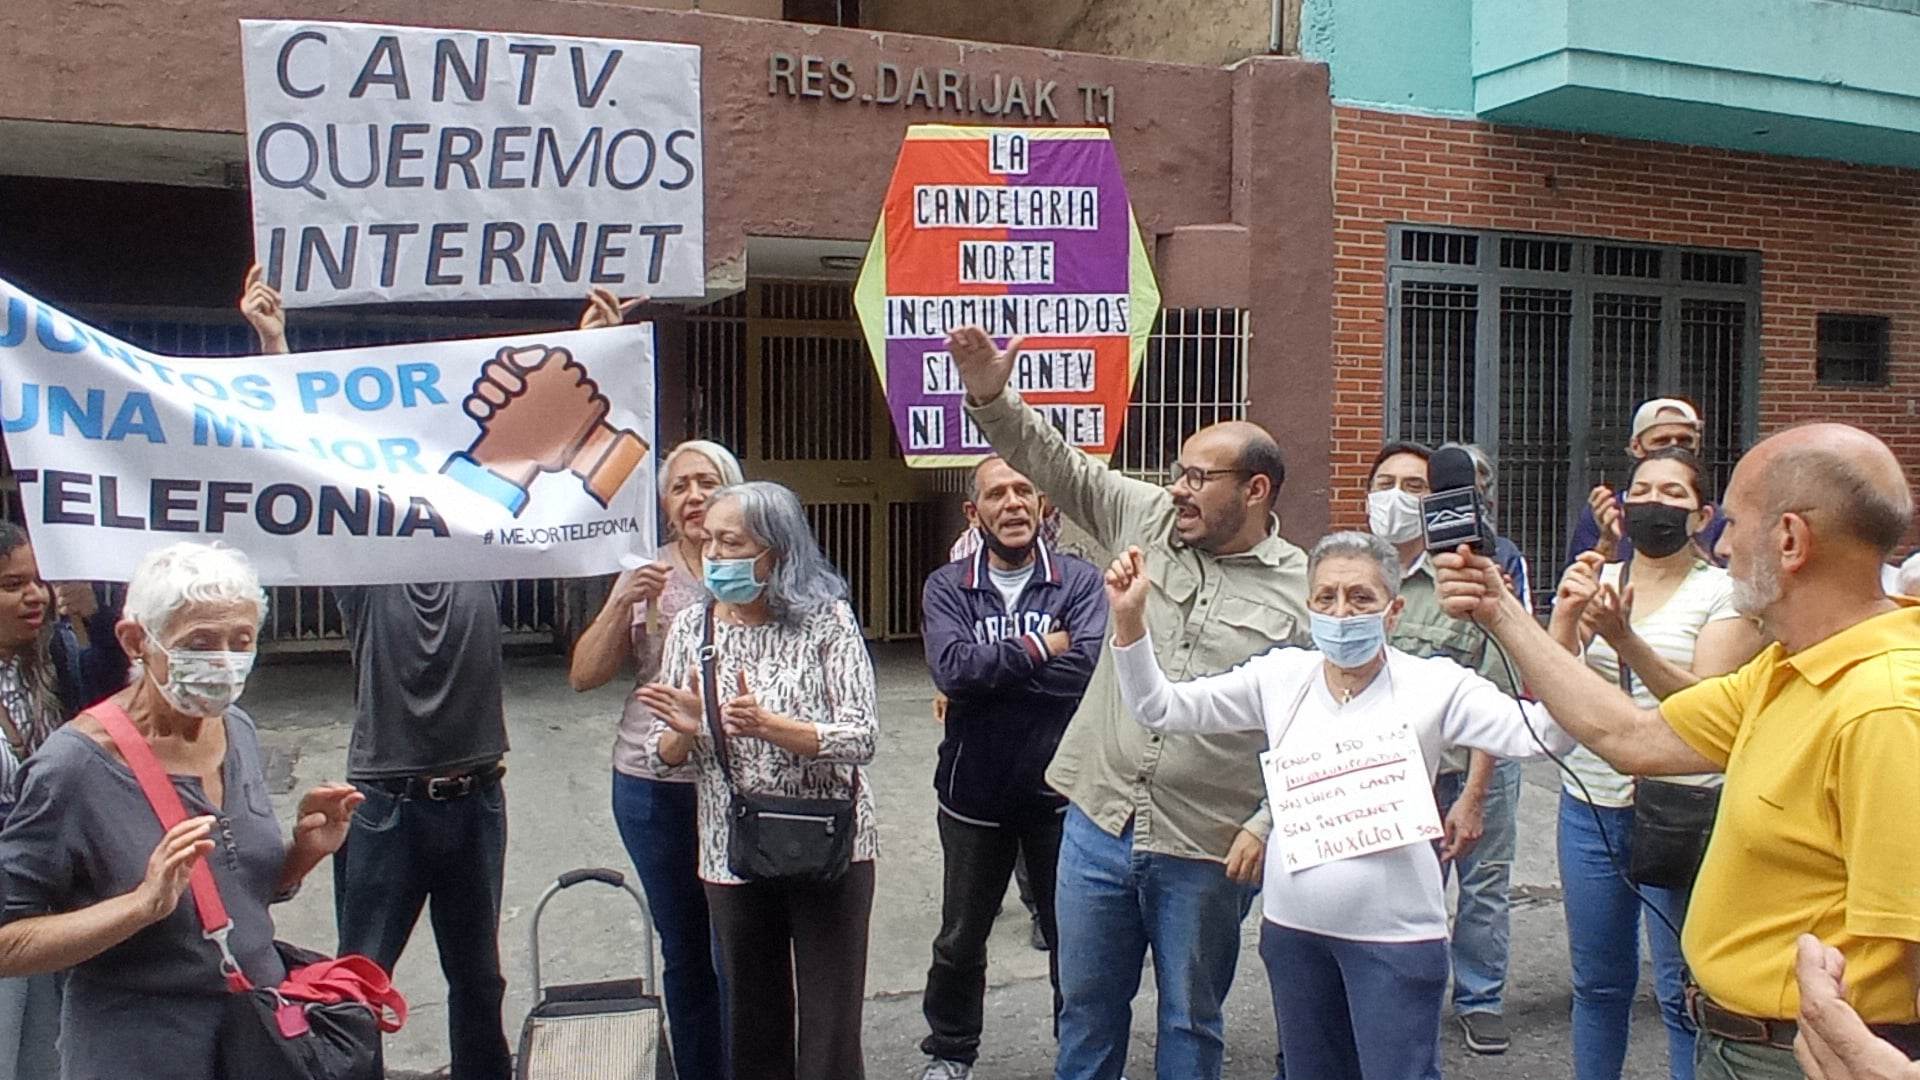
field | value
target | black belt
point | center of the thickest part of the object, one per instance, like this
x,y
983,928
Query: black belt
x,y
441,788
1716,1019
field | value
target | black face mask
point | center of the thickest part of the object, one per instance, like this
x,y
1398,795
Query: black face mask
x,y
1015,555
1658,528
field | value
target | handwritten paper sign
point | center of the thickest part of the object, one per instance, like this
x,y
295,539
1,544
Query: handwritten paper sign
x,y
1023,232
1350,795
399,163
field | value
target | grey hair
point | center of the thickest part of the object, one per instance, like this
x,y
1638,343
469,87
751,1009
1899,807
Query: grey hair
x,y
803,581
1483,473
178,576
719,456
1358,545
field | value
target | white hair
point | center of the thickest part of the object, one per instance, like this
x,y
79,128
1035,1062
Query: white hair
x,y
718,456
1363,546
178,576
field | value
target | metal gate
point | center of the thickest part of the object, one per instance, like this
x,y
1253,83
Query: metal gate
x,y
305,618
1539,348
781,374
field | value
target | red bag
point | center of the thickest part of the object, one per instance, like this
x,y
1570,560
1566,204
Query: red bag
x,y
324,1022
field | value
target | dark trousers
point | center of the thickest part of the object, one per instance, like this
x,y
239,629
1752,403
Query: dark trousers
x,y
978,860
450,857
794,963
1356,1010
658,822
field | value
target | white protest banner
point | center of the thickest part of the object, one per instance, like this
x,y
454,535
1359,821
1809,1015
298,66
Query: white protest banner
x,y
1351,794
521,456
395,163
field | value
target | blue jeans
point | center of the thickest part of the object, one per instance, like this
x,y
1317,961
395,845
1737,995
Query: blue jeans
x,y
1356,1010
450,857
1603,934
1119,903
658,823
1481,927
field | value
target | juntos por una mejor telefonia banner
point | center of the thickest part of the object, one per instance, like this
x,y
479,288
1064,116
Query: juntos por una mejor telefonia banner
x,y
512,457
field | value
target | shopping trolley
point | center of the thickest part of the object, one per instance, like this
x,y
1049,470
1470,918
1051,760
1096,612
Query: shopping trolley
x,y
613,1030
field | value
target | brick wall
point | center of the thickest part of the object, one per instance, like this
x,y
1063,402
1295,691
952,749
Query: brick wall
x,y
1832,237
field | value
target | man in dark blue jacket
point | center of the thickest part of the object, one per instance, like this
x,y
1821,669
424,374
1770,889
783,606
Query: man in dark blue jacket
x,y
1012,634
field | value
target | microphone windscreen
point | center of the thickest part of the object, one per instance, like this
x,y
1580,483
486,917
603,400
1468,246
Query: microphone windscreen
x,y
1450,470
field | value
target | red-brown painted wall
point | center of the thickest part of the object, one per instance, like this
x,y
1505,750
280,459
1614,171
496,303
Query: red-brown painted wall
x,y
776,166
1201,146
1832,237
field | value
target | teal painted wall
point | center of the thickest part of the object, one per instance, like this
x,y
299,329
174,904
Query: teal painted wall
x,y
1404,54
1820,78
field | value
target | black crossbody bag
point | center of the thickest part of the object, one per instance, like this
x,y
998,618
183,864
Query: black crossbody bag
x,y
1671,822
776,837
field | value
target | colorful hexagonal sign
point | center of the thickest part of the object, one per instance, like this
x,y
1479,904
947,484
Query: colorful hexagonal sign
x,y
1025,232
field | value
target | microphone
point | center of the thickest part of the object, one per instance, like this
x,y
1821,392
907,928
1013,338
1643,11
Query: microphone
x,y
1454,513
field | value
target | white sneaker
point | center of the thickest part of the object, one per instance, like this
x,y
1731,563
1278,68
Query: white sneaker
x,y
942,1069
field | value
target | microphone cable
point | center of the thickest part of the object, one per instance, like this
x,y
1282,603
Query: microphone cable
x,y
1586,796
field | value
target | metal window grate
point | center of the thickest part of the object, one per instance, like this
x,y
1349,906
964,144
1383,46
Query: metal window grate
x,y
817,399
1533,253
1852,349
845,532
1713,268
1439,328
915,553
1535,439
1626,371
1194,374
806,300
1429,246
1616,260
1713,337
1563,357
717,373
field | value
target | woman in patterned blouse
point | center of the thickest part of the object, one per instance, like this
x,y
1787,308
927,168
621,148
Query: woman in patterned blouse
x,y
799,720
657,814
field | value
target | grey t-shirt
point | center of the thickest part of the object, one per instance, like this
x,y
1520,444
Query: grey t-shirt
x,y
81,833
427,662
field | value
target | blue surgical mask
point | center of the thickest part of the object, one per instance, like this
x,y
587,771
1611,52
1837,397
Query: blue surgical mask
x,y
1349,642
732,581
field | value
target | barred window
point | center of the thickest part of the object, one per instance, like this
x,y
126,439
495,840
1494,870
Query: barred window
x,y
1539,348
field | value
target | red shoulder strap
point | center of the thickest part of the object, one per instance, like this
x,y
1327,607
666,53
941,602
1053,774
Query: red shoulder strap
x,y
158,786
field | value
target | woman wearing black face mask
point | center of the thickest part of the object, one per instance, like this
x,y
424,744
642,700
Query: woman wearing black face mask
x,y
1666,616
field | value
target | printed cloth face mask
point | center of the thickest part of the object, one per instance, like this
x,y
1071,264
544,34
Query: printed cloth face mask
x,y
731,581
203,684
1394,515
1349,642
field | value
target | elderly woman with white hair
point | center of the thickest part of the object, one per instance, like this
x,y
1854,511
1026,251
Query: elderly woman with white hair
x,y
653,808
776,667
89,881
1355,930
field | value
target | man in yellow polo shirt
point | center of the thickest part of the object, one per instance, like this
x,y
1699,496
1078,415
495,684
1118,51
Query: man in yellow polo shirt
x,y
1819,735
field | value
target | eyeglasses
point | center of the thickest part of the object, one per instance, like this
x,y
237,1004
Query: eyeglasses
x,y
1197,477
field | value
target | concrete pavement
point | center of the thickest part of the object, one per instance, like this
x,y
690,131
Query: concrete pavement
x,y
558,793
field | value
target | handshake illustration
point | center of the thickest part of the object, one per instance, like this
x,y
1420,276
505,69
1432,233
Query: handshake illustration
x,y
538,412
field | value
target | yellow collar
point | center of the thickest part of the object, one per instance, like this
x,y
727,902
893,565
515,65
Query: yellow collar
x,y
1822,662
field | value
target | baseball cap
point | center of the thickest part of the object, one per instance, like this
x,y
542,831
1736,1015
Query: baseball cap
x,y
1664,410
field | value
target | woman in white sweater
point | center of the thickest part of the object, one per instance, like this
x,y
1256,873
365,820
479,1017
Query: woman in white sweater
x,y
1354,934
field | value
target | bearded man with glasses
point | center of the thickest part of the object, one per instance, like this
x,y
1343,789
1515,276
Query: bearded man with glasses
x,y
1165,835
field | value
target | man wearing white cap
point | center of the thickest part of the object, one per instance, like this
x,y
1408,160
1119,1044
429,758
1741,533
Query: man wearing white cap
x,y
1657,425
